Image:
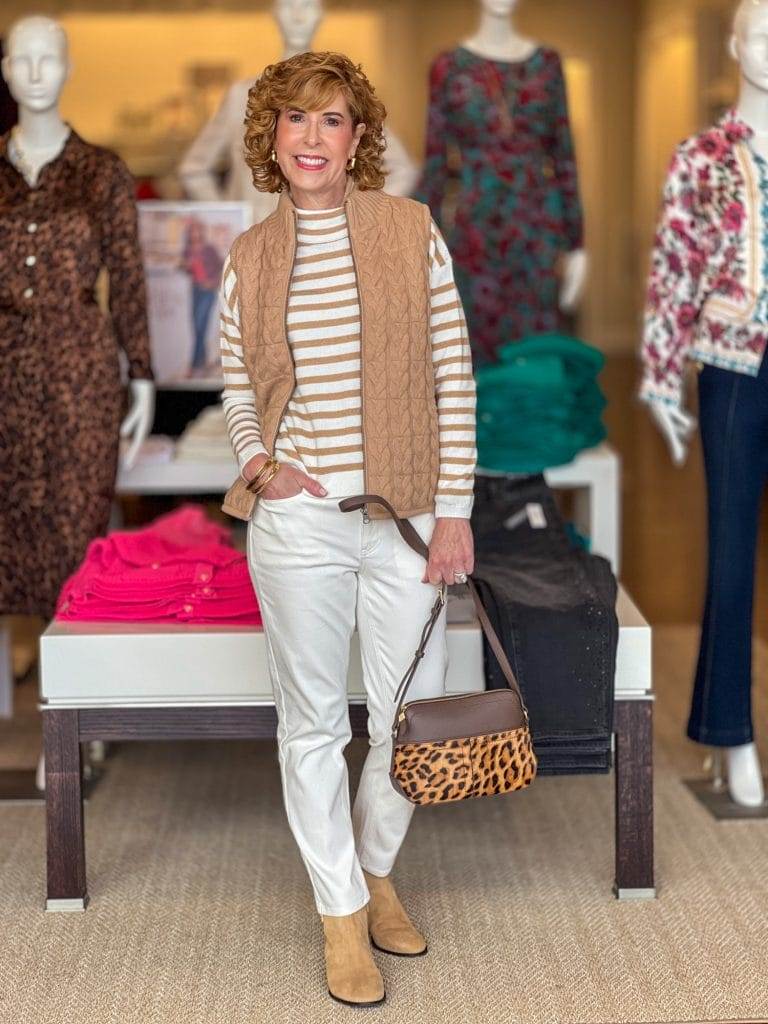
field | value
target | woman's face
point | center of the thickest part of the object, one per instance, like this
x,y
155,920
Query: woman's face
x,y
313,147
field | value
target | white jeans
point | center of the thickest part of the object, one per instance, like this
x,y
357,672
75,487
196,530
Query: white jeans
x,y
317,571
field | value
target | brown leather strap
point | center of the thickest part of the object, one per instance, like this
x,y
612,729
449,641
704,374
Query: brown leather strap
x,y
411,537
405,526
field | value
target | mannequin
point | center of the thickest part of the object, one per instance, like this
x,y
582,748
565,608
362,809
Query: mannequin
x,y
746,130
66,210
222,136
36,68
517,232
497,39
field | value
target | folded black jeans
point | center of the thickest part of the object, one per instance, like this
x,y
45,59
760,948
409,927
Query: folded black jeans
x,y
553,605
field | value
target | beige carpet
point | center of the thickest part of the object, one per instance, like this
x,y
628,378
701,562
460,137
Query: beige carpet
x,y
201,911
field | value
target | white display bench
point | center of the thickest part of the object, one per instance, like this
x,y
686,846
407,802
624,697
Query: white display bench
x,y
116,681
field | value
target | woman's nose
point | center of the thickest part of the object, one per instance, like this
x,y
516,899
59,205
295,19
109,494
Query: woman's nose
x,y
311,134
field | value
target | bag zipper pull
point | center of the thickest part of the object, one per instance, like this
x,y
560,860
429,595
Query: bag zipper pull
x,y
366,518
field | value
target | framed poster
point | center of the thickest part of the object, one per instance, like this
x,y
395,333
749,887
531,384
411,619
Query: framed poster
x,y
184,247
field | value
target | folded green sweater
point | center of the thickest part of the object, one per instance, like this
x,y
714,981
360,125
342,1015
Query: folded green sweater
x,y
540,405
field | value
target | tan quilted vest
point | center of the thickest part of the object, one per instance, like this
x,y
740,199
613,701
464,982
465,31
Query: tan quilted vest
x,y
390,246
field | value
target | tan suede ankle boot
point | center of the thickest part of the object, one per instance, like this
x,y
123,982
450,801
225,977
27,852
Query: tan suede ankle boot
x,y
390,927
353,977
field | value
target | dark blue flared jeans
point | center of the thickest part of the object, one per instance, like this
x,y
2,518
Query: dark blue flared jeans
x,y
733,413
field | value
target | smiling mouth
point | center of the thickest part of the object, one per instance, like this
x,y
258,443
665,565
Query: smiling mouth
x,y
310,163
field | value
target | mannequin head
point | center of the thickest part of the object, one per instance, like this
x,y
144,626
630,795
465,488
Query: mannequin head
x,y
749,42
498,8
36,64
298,21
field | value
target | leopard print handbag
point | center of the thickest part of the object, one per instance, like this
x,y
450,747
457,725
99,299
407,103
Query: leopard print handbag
x,y
463,745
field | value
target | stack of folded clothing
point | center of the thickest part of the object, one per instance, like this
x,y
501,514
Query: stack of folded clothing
x,y
540,405
553,607
156,450
180,568
205,438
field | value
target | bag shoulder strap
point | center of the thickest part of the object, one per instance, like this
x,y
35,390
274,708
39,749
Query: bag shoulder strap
x,y
411,537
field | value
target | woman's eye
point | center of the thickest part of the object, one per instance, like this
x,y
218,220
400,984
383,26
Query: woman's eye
x,y
295,118
333,122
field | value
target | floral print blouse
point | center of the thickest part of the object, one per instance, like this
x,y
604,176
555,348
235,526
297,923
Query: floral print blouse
x,y
707,296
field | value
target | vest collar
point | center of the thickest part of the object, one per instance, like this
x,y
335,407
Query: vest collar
x,y
286,205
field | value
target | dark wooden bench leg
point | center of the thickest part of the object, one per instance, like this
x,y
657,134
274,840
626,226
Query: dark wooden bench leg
x,y
64,812
633,724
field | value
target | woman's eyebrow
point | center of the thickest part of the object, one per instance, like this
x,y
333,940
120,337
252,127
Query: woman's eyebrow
x,y
326,113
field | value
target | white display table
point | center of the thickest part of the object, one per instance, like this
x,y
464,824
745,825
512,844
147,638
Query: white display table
x,y
594,476
118,682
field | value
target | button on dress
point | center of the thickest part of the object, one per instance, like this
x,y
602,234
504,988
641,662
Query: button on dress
x,y
62,397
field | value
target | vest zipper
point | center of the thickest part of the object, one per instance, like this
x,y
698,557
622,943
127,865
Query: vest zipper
x,y
366,517
285,333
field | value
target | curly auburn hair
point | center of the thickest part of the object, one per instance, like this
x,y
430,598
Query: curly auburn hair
x,y
309,81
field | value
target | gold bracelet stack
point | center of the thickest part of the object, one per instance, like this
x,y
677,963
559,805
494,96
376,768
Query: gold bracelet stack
x,y
266,472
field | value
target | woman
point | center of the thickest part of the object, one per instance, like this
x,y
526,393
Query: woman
x,y
203,264
345,356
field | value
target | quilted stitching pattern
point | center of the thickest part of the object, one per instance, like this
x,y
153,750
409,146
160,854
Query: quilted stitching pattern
x,y
390,242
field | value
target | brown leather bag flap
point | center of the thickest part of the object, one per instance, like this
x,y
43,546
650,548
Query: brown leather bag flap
x,y
470,714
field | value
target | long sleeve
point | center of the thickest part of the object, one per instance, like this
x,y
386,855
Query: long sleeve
x,y
673,295
207,151
400,170
562,152
237,398
121,255
435,173
454,386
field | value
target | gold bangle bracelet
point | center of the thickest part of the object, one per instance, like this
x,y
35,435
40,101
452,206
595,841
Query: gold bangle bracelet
x,y
260,472
271,476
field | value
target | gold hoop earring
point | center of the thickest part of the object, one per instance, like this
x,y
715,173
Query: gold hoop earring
x,y
351,163
273,157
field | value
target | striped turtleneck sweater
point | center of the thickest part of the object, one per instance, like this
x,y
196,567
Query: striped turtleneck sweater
x,y
321,430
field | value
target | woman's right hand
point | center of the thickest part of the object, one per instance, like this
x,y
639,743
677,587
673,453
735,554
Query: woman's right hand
x,y
286,483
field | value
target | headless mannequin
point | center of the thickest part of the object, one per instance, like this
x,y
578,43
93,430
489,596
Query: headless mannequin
x,y
298,20
745,782
36,68
497,39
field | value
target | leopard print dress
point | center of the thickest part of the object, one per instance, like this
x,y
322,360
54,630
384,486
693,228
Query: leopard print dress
x,y
61,394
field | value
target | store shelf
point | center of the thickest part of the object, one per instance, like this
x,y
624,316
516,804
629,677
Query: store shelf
x,y
180,476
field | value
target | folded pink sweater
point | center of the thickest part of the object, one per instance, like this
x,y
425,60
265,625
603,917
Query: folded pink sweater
x,y
180,568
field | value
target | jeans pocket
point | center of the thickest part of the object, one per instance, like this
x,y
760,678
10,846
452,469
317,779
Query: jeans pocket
x,y
275,503
409,563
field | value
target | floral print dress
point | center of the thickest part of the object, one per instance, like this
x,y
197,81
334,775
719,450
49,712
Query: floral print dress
x,y
502,130
62,397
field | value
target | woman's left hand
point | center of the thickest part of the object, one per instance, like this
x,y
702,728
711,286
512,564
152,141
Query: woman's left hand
x,y
451,550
